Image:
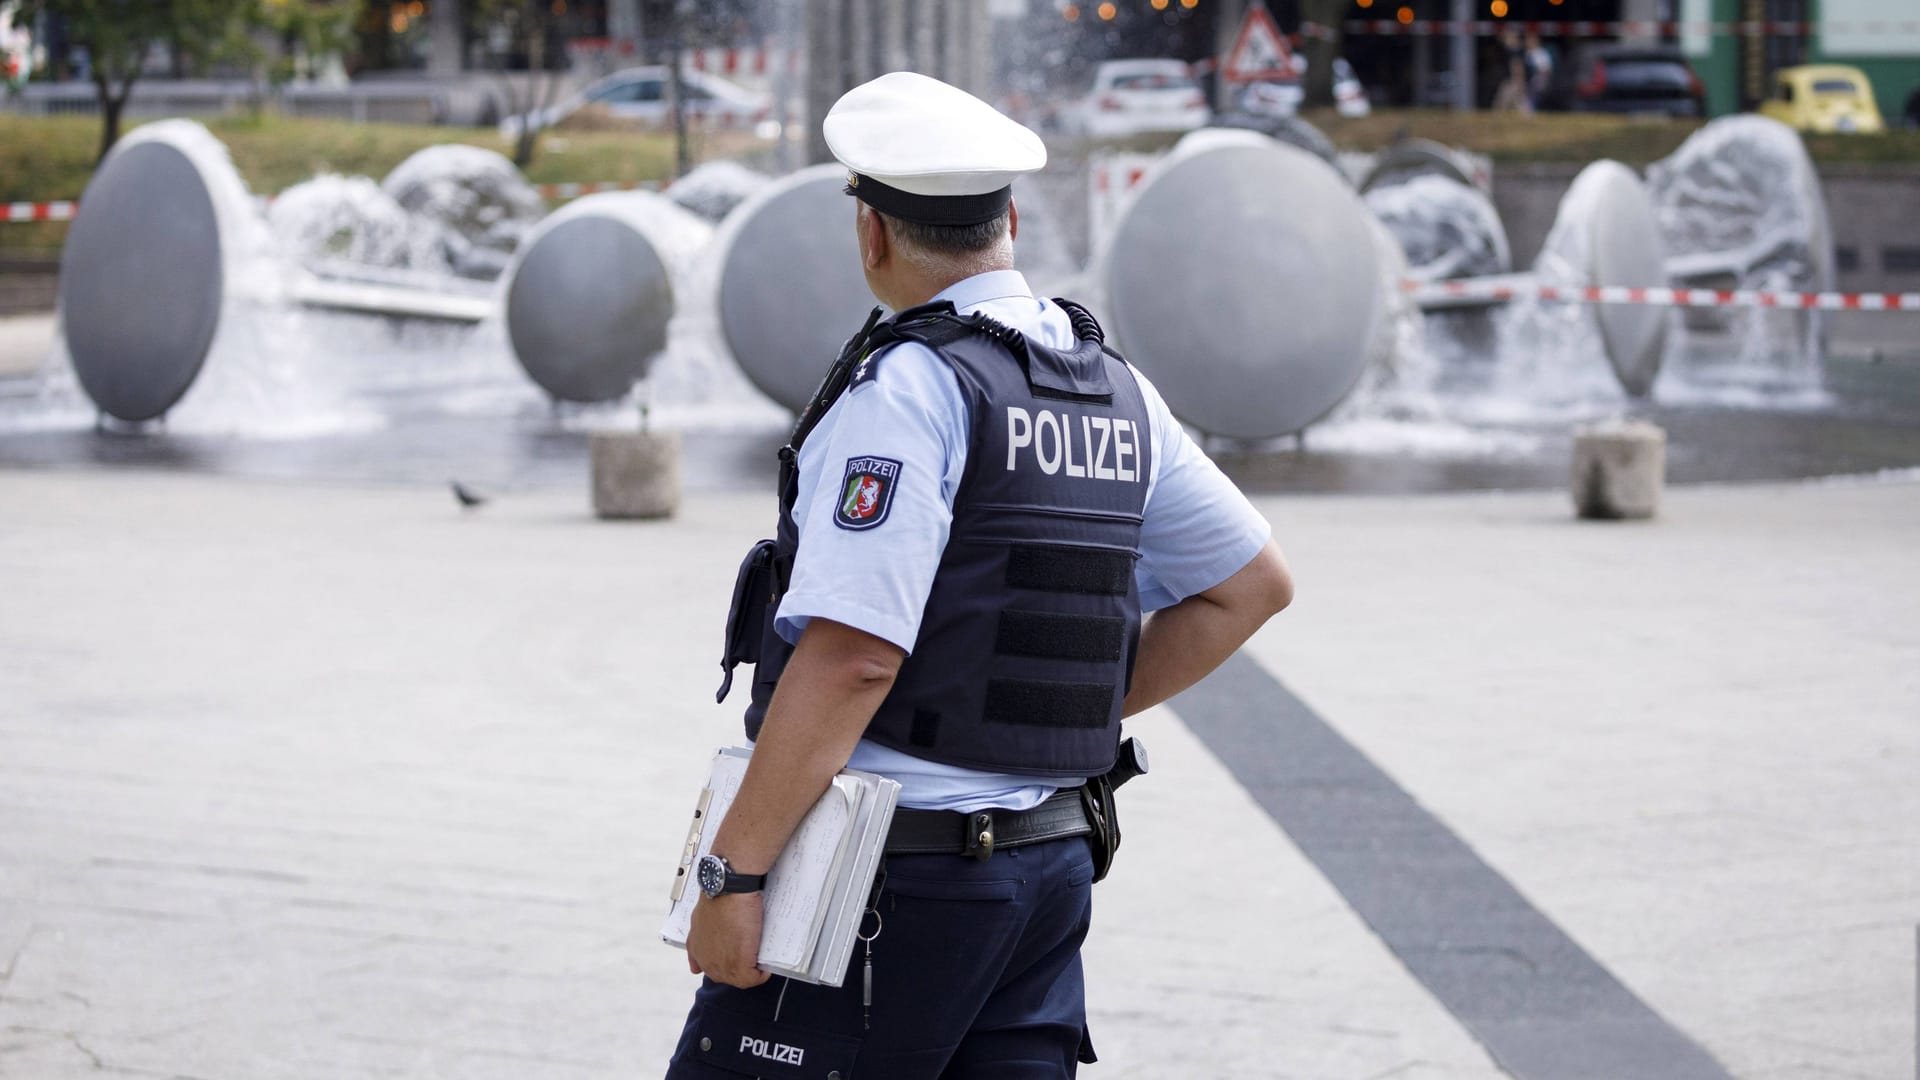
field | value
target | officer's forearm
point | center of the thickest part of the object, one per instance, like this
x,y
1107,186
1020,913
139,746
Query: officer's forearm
x,y
828,692
1181,644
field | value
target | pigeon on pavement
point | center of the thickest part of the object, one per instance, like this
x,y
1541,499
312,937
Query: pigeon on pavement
x,y
469,498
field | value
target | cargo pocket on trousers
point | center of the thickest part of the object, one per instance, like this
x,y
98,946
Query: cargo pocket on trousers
x,y
739,1045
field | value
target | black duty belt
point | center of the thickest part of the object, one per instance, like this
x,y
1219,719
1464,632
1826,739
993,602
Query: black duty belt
x,y
979,834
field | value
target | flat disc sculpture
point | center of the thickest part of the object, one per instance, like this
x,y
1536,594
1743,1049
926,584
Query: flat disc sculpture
x,y
590,298
1243,279
141,280
1624,249
791,290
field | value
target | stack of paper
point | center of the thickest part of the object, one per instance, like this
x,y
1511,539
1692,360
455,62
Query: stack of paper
x,y
817,891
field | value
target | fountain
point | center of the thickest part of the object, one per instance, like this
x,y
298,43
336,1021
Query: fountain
x,y
590,294
171,253
790,287
1740,207
1252,314
1258,316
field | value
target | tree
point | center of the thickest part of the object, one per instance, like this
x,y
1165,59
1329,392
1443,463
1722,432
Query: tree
x,y
527,28
300,32
120,36
1321,21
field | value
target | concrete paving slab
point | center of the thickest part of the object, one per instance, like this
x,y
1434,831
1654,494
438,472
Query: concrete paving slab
x,y
1274,976
1691,742
1543,1007
323,781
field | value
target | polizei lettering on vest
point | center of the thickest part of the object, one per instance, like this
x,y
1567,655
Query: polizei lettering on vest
x,y
1094,447
771,1051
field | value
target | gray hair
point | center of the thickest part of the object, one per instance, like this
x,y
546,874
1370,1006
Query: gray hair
x,y
970,248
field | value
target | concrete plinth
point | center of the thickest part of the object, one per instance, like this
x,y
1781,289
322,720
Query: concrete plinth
x,y
1619,468
636,474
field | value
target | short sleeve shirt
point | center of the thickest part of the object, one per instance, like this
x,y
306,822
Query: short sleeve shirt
x,y
1198,530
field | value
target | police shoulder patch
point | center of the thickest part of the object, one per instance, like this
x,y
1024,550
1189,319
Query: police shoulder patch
x,y
866,492
868,369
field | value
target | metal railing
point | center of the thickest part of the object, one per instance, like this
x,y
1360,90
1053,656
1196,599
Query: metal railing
x,y
400,103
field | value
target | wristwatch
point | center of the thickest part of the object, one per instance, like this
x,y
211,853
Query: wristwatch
x,y
716,878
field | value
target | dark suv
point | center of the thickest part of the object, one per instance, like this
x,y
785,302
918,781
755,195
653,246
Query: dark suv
x,y
1628,79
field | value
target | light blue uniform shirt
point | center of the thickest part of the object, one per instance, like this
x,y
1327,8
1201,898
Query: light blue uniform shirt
x,y
1199,529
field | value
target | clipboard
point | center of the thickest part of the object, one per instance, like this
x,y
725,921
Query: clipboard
x,y
818,887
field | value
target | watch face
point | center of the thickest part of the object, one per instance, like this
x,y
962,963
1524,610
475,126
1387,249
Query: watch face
x,y
713,874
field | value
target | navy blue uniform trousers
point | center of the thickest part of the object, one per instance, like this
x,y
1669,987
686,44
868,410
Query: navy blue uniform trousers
x,y
976,974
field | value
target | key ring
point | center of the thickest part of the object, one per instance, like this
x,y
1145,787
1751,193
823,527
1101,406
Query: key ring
x,y
877,925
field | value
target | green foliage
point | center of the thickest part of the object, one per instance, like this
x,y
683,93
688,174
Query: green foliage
x,y
120,36
301,31
528,27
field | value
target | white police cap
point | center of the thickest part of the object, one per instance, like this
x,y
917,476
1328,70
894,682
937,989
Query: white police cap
x,y
926,152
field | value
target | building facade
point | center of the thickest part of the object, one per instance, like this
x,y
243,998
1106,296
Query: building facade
x,y
1880,37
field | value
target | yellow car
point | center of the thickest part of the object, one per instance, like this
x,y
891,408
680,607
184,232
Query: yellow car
x,y
1824,98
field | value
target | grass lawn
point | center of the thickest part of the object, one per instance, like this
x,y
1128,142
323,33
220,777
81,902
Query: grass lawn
x,y
43,159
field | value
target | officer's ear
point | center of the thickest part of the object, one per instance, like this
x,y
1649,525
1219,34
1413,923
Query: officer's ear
x,y
873,238
1013,220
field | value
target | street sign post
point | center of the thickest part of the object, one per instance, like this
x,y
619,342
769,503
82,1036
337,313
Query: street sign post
x,y
1259,50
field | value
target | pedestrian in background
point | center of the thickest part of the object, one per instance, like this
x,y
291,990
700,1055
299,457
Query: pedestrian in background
x,y
1538,62
1512,92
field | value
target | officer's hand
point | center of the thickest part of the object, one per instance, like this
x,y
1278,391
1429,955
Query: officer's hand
x,y
724,942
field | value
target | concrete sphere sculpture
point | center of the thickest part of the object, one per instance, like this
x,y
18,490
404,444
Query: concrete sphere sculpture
x,y
141,276
1287,129
479,198
791,291
1447,229
1417,157
590,294
1740,205
1243,278
1607,234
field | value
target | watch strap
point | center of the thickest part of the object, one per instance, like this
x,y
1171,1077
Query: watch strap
x,y
730,881
738,883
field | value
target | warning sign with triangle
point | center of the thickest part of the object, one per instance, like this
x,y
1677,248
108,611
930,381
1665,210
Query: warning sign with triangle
x,y
1259,51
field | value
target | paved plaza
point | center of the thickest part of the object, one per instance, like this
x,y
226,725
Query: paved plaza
x,y
314,780
25,341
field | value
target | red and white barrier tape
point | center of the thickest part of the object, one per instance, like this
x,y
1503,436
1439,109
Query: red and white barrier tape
x,y
46,211
751,61
1636,28
1662,297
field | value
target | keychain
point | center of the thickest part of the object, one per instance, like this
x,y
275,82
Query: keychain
x,y
866,988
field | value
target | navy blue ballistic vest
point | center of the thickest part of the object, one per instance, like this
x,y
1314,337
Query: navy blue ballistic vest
x,y
1026,645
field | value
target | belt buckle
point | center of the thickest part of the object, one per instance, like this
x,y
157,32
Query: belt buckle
x,y
980,835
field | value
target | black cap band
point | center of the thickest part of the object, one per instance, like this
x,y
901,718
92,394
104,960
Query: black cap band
x,y
930,209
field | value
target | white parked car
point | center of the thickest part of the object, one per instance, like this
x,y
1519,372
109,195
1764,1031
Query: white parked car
x,y
1283,98
1134,96
644,96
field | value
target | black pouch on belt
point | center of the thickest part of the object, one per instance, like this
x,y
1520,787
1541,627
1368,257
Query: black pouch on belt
x,y
1096,797
747,619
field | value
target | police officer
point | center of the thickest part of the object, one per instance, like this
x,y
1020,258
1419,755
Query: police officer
x,y
981,507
